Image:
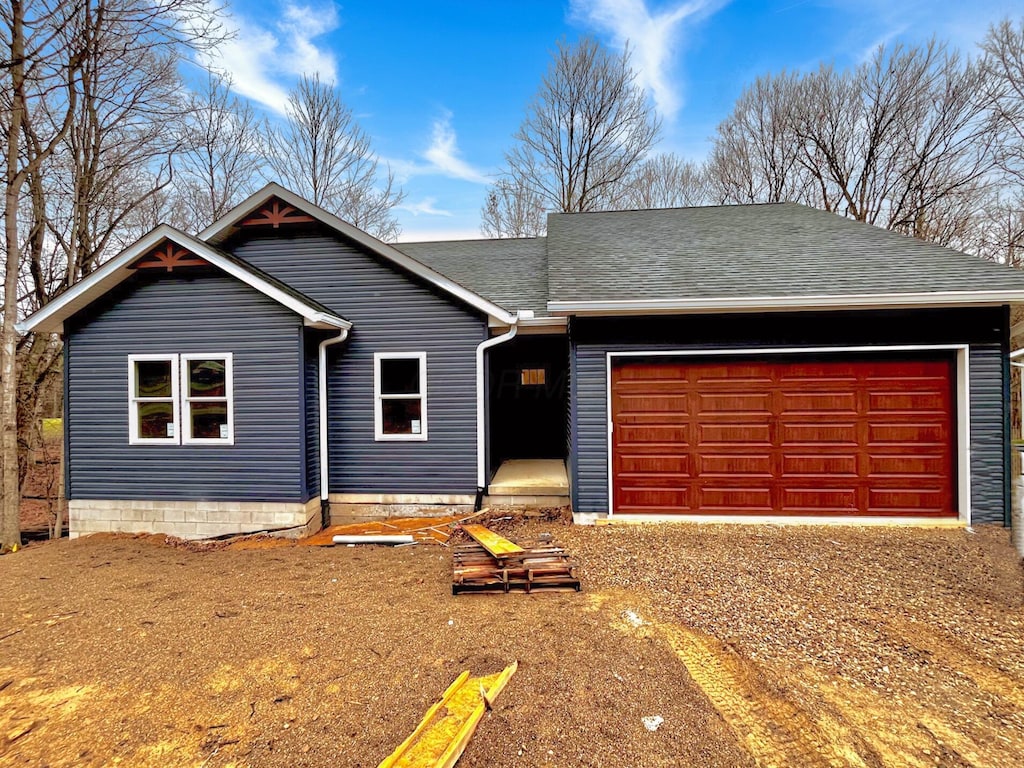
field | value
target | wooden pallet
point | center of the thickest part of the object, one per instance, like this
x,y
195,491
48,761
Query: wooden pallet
x,y
541,566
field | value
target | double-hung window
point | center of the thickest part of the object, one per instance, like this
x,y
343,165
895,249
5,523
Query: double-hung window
x,y
400,395
180,399
206,398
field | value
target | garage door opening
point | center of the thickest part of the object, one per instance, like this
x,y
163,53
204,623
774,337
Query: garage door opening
x,y
831,436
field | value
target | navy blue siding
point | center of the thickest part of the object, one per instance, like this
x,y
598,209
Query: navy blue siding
x,y
984,329
194,312
392,311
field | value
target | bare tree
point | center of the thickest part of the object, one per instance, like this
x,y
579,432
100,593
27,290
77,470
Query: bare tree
x,y
513,209
33,66
221,157
756,155
666,181
322,153
587,128
905,141
889,142
1003,219
89,91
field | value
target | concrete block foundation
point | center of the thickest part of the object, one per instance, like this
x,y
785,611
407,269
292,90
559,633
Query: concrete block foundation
x,y
191,519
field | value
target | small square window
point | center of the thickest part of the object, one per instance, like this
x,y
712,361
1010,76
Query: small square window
x,y
400,396
532,377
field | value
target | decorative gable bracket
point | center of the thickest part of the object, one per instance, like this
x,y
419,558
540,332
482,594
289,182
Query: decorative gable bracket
x,y
168,255
274,214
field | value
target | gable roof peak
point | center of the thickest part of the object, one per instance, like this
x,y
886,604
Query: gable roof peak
x,y
230,223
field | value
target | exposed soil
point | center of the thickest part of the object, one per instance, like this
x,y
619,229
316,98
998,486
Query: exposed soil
x,y
756,646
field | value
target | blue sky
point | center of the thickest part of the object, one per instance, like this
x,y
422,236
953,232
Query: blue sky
x,y
441,87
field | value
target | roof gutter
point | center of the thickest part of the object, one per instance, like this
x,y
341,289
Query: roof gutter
x,y
781,303
481,391
325,507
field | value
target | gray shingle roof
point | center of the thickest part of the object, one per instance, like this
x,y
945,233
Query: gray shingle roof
x,y
775,250
512,273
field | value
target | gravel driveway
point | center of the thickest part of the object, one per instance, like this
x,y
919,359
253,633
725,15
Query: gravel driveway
x,y
753,645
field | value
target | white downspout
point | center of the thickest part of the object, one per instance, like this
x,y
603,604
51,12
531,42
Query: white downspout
x,y
322,403
481,437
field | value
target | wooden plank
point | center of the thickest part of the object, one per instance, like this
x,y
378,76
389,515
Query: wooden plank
x,y
458,745
498,546
425,722
462,706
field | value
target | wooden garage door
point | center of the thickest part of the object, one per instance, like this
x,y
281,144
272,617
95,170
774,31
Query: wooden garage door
x,y
794,437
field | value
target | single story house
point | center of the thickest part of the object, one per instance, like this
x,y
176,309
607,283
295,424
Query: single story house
x,y
756,363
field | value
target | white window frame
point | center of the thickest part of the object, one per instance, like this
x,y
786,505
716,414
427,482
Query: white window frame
x,y
180,364
378,398
187,400
133,400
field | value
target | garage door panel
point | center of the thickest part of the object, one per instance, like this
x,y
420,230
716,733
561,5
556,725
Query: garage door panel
x,y
729,465
641,434
900,465
751,499
654,500
916,501
651,402
818,500
831,437
734,402
915,402
819,465
734,434
819,402
663,462
831,433
918,434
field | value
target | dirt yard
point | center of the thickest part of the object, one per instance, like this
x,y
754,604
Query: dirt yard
x,y
756,646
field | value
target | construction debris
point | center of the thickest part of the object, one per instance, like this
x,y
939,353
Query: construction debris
x,y
495,564
445,730
423,530
370,538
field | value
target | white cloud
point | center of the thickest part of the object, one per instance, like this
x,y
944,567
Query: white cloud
x,y
427,206
260,59
443,153
653,37
442,156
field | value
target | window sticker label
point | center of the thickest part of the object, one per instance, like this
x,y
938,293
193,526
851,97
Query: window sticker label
x,y
223,431
170,429
416,426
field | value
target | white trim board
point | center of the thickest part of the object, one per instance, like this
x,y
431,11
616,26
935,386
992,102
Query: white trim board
x,y
787,303
51,318
963,409
224,226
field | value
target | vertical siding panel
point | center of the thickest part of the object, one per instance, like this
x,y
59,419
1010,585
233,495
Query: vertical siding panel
x,y
392,312
311,374
988,415
194,312
984,329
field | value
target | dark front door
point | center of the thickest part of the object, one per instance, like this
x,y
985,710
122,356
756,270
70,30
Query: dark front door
x,y
529,406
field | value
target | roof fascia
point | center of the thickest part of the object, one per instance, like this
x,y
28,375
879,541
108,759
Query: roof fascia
x,y
786,303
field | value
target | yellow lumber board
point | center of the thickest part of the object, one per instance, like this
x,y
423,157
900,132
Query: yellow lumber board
x,y
441,737
391,759
497,546
458,745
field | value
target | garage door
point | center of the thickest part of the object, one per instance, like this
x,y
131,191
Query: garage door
x,y
794,437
